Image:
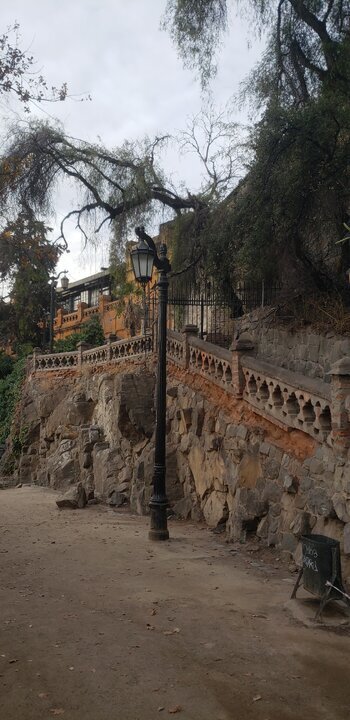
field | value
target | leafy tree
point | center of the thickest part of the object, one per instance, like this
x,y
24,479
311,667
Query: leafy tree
x,y
18,76
26,260
121,187
197,28
308,41
289,209
288,212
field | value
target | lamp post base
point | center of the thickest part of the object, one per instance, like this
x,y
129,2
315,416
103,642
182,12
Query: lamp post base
x,y
159,522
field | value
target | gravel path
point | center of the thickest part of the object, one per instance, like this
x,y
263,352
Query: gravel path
x,y
97,623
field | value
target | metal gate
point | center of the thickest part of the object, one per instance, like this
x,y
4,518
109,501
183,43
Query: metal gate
x,y
208,306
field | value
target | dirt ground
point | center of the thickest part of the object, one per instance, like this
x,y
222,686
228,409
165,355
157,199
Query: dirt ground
x,y
97,623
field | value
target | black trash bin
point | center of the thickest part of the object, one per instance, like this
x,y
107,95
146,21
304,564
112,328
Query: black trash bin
x,y
321,569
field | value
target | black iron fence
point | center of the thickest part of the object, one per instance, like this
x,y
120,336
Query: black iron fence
x,y
210,307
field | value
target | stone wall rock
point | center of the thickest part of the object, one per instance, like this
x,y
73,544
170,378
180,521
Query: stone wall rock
x,y
98,431
303,350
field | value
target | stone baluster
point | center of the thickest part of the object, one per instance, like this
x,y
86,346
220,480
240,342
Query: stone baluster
x,y
81,347
111,338
187,332
340,410
36,351
244,345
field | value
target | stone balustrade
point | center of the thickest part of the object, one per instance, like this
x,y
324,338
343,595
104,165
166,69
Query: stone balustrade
x,y
56,361
176,349
214,362
131,348
68,319
95,356
85,356
288,399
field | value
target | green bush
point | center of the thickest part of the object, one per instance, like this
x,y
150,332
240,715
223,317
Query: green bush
x,y
91,333
6,365
10,392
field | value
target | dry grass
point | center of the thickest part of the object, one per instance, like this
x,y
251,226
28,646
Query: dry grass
x,y
326,312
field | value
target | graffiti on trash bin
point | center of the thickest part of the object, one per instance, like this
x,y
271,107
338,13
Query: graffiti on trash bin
x,y
309,558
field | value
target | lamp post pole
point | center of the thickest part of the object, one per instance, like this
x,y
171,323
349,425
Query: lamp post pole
x,y
159,501
143,257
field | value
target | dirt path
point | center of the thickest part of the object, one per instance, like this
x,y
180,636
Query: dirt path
x,y
97,623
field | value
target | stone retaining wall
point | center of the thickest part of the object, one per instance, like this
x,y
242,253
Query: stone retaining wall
x,y
226,465
302,351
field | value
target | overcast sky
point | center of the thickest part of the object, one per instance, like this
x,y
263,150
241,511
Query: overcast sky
x,y
115,51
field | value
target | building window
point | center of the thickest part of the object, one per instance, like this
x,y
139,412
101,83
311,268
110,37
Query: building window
x,y
75,300
93,297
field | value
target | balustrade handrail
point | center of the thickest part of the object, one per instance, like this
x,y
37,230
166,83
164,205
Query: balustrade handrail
x,y
208,347
175,335
289,377
286,398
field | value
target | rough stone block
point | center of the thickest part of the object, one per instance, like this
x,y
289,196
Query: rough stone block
x,y
289,542
212,443
87,460
301,524
242,432
300,501
183,508
306,483
249,471
215,509
265,448
231,431
75,498
346,538
317,467
263,527
221,426
172,391
272,492
290,484
340,507
320,503
116,499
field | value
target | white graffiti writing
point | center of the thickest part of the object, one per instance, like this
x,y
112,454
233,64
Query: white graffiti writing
x,y
310,564
309,550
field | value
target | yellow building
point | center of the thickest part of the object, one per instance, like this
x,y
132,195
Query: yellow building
x,y
86,298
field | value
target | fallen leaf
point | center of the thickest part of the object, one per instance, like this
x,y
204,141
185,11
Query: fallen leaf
x,y
259,615
175,709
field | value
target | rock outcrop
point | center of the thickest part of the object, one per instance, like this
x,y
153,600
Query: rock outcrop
x,y
226,467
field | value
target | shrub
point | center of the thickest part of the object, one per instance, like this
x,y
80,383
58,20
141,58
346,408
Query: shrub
x,y
91,333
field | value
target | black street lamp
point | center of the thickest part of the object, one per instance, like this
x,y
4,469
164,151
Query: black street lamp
x,y
143,257
64,284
